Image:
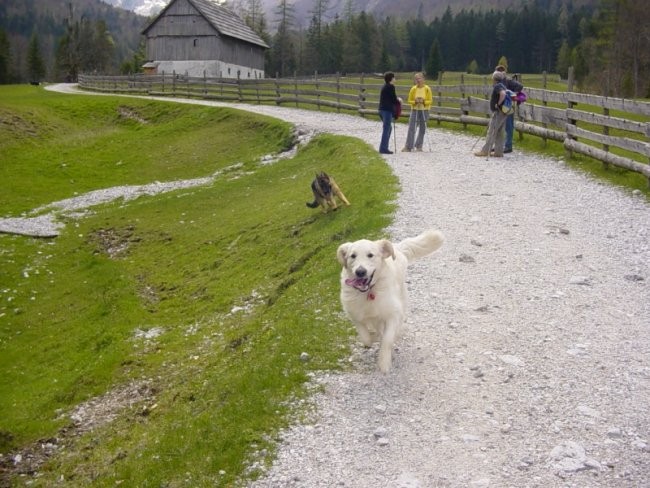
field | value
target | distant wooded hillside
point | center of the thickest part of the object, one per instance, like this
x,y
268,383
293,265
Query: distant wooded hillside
x,y
606,41
48,21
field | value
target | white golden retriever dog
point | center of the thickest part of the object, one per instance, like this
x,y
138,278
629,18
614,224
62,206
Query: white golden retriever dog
x,y
373,286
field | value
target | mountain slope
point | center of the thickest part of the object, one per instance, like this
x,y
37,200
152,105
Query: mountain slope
x,y
20,18
409,9
140,7
406,9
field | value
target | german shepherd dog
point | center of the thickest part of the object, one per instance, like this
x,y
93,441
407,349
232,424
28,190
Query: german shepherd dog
x,y
325,188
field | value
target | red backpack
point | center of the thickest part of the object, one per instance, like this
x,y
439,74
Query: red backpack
x,y
397,110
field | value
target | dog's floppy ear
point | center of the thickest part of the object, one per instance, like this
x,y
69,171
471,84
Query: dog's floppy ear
x,y
386,247
342,253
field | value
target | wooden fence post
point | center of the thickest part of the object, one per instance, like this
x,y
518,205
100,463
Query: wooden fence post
x,y
317,90
174,82
362,96
277,89
545,103
338,92
295,86
606,133
439,98
570,105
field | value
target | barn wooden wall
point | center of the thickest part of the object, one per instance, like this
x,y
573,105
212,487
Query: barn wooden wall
x,y
184,34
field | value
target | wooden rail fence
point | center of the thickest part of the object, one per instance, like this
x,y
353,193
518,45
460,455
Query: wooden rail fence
x,y
615,131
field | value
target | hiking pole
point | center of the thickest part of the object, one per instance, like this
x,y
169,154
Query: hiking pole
x,y
481,137
426,129
394,136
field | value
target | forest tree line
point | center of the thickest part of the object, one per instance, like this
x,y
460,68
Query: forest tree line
x,y
608,44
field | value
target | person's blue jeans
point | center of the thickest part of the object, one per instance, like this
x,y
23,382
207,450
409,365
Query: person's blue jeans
x,y
387,129
510,130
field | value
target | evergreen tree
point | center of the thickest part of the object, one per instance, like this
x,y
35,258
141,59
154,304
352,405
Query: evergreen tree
x,y
384,60
419,44
333,46
67,54
563,22
623,29
5,58
283,60
86,46
315,46
99,58
472,67
368,42
348,11
434,61
35,63
134,65
563,59
253,16
500,34
394,41
351,59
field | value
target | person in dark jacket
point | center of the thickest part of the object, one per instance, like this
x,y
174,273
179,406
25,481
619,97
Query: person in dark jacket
x,y
514,86
495,133
388,100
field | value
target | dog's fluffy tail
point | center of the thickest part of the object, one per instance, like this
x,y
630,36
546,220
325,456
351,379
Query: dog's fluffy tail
x,y
313,204
422,245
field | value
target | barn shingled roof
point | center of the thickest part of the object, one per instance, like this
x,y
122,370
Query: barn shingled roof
x,y
224,20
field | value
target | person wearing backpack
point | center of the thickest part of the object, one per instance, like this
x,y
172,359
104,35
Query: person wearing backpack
x,y
388,101
495,133
516,87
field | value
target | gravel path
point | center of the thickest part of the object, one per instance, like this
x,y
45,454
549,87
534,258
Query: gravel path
x,y
527,357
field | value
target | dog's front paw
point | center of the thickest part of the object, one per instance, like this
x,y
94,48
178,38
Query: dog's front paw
x,y
365,336
384,363
385,359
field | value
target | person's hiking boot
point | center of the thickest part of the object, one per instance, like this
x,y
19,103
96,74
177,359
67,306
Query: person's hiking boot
x,y
418,149
507,150
480,154
406,149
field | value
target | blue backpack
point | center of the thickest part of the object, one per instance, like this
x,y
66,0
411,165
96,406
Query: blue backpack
x,y
508,106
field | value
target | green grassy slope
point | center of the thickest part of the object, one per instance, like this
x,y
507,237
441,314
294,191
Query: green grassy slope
x,y
237,279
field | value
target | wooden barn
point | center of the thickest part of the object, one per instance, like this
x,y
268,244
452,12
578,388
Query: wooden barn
x,y
201,37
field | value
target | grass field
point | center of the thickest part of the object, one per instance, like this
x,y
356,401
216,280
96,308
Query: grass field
x,y
194,307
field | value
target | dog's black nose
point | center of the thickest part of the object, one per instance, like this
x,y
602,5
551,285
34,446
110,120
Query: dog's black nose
x,y
361,272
